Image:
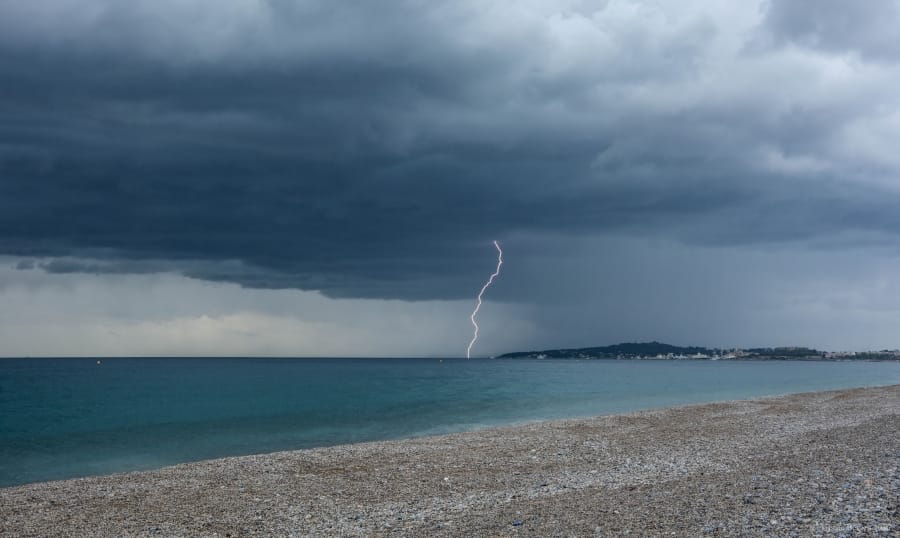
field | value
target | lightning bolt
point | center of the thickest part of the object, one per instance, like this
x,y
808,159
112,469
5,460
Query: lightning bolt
x,y
480,293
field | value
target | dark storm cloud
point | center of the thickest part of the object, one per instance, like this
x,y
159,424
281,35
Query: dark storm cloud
x,y
373,151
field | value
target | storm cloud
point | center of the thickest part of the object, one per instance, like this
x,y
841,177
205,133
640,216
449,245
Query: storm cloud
x,y
373,150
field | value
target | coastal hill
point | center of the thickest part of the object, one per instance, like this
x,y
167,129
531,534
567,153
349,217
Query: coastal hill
x,y
658,350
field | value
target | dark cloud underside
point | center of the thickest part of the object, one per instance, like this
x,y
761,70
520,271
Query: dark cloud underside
x,y
375,152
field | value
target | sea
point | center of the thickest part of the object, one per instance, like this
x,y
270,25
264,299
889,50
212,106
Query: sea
x,y
66,418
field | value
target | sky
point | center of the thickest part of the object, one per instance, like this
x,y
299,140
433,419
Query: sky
x,y
311,178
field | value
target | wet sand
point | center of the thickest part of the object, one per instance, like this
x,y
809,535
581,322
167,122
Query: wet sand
x,y
815,464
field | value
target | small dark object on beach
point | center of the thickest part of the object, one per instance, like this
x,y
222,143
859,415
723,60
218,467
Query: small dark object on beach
x,y
517,523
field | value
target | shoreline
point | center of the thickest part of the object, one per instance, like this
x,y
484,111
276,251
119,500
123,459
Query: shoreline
x,y
469,428
814,463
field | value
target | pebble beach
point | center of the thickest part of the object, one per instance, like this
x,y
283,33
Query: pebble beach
x,y
813,464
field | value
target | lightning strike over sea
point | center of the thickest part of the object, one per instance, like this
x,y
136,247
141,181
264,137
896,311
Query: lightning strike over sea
x,y
480,293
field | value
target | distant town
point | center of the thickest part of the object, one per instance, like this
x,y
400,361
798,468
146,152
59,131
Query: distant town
x,y
660,351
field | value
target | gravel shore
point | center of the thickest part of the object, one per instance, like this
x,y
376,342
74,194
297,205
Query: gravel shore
x,y
816,464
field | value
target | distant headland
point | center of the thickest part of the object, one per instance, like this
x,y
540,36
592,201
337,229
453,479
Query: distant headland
x,y
660,351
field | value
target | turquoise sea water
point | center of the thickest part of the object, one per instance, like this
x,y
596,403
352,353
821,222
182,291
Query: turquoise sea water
x,y
63,418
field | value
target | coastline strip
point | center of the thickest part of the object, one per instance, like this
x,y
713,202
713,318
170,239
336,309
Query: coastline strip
x,y
823,463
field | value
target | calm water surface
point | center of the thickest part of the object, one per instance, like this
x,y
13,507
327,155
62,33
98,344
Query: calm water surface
x,y
62,418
